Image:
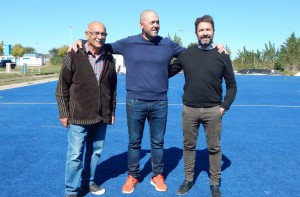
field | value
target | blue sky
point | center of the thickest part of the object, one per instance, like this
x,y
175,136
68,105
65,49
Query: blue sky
x,y
44,25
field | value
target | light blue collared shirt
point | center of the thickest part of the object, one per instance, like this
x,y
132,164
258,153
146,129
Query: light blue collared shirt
x,y
208,48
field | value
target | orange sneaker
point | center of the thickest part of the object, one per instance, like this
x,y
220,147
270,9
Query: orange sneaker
x,y
129,185
159,183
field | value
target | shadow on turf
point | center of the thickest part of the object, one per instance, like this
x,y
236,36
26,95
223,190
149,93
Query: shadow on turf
x,y
117,164
202,163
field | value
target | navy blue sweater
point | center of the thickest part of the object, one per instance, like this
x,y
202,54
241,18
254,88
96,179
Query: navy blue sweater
x,y
147,65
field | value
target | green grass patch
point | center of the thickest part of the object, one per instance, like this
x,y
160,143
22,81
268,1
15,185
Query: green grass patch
x,y
32,73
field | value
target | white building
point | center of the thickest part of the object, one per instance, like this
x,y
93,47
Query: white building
x,y
8,57
32,59
29,59
120,64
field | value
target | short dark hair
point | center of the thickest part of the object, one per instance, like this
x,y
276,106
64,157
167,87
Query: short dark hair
x,y
205,18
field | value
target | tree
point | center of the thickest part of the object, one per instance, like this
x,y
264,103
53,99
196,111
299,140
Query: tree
x,y
1,49
62,51
269,55
245,59
29,50
18,51
228,50
57,54
176,39
53,52
289,55
191,44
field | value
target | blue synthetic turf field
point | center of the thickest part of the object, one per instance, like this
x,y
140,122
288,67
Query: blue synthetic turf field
x,y
260,141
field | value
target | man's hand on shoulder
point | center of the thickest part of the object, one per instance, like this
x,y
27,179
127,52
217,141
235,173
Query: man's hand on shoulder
x,y
221,48
75,46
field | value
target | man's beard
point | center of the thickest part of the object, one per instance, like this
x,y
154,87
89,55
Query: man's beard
x,y
206,42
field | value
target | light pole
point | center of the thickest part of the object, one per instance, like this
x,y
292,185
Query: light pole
x,y
36,47
180,32
70,32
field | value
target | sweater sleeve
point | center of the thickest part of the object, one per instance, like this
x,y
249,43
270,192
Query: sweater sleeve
x,y
177,49
231,87
175,68
119,46
114,90
63,87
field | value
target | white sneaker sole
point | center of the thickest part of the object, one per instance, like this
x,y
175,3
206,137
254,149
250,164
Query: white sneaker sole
x,y
160,190
125,192
99,192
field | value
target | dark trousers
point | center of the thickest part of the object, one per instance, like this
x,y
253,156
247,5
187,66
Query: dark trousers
x,y
211,119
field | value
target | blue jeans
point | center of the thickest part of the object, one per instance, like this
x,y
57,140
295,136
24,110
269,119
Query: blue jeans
x,y
88,138
156,114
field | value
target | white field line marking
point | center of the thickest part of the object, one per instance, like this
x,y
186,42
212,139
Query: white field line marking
x,y
283,106
28,103
170,104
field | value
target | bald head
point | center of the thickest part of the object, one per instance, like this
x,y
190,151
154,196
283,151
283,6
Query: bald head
x,y
146,14
149,23
94,25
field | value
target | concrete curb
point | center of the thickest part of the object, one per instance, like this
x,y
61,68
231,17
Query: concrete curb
x,y
29,83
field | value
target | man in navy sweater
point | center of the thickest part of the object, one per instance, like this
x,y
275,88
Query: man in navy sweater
x,y
204,70
147,57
